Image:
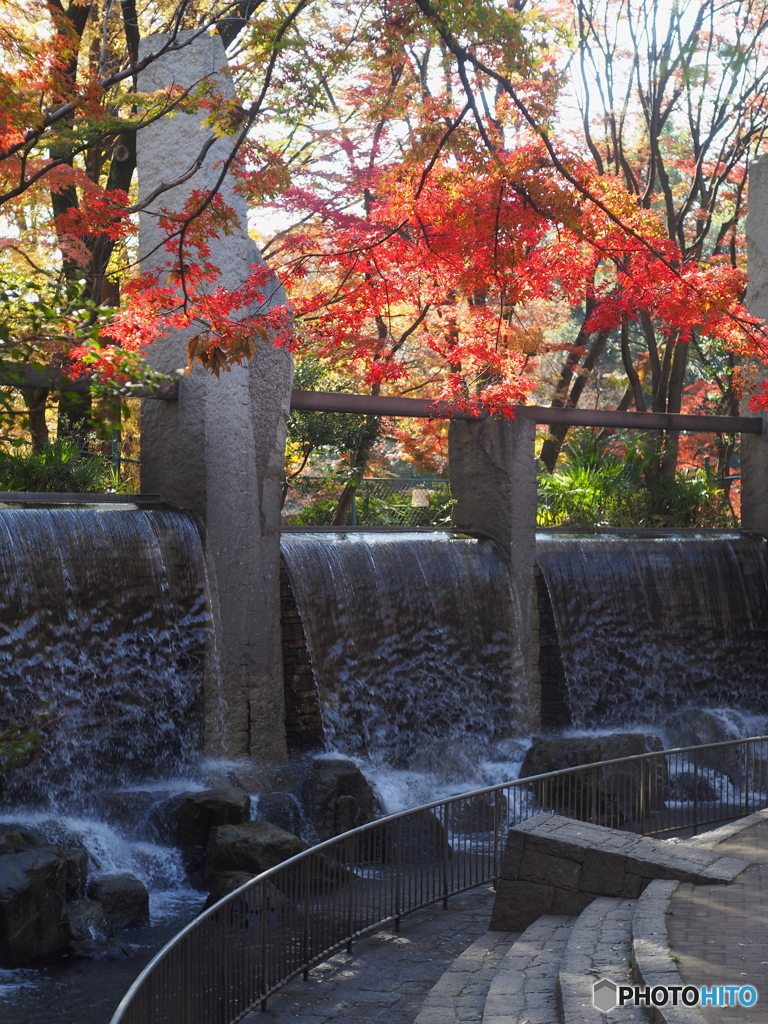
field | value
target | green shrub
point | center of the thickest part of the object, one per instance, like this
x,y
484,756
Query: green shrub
x,y
59,466
602,483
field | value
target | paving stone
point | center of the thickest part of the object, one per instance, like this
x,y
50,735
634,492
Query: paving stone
x,y
406,964
719,933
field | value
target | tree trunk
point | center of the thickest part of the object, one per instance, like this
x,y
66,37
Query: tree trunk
x,y
551,448
359,463
36,400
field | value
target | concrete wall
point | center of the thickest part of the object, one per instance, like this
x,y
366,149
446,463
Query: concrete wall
x,y
219,451
754,447
493,480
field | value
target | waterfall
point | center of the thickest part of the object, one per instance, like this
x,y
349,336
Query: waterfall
x,y
412,641
647,624
103,622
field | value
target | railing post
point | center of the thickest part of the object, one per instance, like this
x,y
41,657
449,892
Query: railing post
x,y
446,856
746,779
398,880
151,999
186,986
351,877
221,1006
264,961
305,917
695,792
496,827
593,794
642,803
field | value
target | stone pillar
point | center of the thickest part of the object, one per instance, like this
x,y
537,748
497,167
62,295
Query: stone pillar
x,y
493,481
754,447
219,450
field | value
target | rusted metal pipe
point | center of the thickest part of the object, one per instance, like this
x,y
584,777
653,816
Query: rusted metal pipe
x,y
388,405
31,375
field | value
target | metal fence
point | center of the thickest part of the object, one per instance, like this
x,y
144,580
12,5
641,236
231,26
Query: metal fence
x,y
282,922
378,501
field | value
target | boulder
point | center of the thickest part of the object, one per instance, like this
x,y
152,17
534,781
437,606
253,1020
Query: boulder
x,y
76,863
281,809
250,901
193,815
88,927
337,797
257,846
416,838
186,820
691,727
33,880
253,847
617,795
225,882
482,813
687,786
123,898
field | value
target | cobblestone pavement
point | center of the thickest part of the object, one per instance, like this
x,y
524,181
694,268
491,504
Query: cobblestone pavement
x,y
388,974
720,932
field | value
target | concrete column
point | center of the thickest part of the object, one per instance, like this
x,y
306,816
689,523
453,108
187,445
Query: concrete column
x,y
219,451
754,447
493,481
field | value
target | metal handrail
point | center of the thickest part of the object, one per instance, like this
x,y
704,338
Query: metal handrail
x,y
291,917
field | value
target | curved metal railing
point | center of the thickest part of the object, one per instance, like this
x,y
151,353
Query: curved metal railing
x,y
285,920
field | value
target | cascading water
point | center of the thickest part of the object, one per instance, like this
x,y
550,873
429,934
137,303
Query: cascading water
x,y
104,622
648,624
412,640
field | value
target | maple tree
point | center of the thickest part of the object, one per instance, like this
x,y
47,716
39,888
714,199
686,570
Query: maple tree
x,y
672,101
69,117
404,253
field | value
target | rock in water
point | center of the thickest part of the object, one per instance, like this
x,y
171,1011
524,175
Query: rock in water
x,y
123,898
337,797
253,847
617,794
33,883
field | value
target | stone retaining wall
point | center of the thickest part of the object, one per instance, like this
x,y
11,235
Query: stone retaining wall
x,y
555,865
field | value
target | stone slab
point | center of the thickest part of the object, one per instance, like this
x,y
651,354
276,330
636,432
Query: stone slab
x,y
554,859
599,946
524,990
652,959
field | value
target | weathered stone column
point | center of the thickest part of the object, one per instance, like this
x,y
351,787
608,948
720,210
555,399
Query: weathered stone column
x,y
493,480
219,450
754,447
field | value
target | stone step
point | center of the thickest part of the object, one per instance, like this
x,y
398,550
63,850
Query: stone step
x,y
651,956
459,995
524,990
599,946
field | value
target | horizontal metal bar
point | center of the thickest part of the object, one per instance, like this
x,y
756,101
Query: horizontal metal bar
x,y
642,420
33,375
379,405
393,405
